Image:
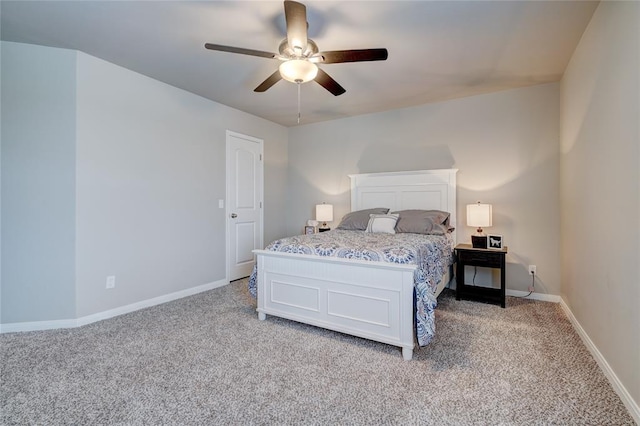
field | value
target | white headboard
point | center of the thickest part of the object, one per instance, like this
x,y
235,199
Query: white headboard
x,y
418,189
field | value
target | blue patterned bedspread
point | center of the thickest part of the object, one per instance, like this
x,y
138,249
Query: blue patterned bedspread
x,y
431,253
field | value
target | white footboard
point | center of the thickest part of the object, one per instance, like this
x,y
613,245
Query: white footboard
x,y
373,300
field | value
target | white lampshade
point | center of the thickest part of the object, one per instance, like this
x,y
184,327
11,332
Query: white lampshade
x,y
479,215
298,70
324,212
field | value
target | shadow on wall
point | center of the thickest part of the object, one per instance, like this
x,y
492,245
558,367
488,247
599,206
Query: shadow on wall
x,y
526,214
386,157
334,187
304,197
525,205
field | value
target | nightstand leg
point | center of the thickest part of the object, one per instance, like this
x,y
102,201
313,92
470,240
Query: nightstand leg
x,y
459,278
503,282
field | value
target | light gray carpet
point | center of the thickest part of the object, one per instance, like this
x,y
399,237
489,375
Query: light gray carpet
x,y
207,360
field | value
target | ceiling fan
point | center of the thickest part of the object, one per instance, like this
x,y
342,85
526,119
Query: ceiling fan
x,y
299,54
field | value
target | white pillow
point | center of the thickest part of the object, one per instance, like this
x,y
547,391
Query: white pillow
x,y
385,223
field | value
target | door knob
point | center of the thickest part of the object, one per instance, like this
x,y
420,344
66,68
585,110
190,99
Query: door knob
x,y
233,215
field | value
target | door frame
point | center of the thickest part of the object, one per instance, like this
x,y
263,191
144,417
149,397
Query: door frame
x,y
227,211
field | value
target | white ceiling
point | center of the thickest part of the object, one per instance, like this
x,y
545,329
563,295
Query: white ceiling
x,y
437,49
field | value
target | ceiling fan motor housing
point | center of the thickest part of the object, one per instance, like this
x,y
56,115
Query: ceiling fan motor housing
x,y
289,53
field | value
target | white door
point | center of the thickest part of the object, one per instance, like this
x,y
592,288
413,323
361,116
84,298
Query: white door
x,y
244,203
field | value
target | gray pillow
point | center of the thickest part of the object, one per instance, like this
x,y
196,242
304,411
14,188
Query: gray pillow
x,y
358,220
433,222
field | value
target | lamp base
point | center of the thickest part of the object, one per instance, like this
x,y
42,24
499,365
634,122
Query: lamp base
x,y
324,227
479,241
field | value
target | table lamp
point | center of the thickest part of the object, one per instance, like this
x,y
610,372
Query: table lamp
x,y
479,215
324,214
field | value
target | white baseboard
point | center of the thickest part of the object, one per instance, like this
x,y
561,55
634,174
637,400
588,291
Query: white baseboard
x,y
617,385
534,296
78,322
517,293
37,325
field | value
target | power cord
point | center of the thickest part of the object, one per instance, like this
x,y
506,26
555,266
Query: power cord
x,y
532,288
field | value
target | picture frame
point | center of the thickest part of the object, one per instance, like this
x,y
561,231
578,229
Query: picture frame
x,y
308,230
494,242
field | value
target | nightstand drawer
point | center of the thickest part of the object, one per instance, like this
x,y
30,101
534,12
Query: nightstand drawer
x,y
486,258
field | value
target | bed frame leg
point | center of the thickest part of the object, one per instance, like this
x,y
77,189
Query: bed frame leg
x,y
407,353
262,316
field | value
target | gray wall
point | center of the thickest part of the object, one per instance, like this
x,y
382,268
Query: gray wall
x,y
600,183
131,189
38,183
504,144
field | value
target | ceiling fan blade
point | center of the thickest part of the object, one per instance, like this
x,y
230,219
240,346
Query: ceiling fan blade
x,y
361,55
329,83
270,81
240,50
296,16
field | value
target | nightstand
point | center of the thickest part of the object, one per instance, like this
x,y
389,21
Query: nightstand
x,y
486,258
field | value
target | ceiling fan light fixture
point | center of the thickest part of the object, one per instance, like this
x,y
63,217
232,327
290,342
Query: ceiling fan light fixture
x,y
298,70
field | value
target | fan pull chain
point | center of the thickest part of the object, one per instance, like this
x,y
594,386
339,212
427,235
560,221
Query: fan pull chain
x,y
299,103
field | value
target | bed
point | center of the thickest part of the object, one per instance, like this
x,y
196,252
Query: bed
x,y
368,298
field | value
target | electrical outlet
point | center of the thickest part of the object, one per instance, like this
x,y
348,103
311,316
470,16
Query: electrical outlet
x,y
533,270
111,281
